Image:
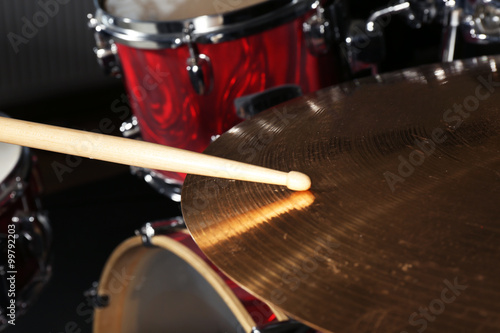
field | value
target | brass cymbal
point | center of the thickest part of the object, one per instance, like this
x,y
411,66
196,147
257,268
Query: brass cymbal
x,y
400,231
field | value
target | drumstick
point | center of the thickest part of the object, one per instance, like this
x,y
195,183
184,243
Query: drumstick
x,y
141,154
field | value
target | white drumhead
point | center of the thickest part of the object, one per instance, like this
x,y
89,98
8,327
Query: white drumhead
x,y
9,156
168,295
166,289
173,10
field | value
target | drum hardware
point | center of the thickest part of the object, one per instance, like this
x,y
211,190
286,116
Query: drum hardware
x,y
416,13
481,21
149,229
26,233
365,42
450,35
317,31
11,190
478,20
205,28
105,50
166,186
130,128
159,182
199,66
364,49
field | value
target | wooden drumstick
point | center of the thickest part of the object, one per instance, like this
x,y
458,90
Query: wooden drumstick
x,y
141,154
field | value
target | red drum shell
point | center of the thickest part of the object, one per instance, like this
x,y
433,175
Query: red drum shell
x,y
171,113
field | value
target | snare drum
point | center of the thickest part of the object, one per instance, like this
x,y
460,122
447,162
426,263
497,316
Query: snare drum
x,y
25,235
186,62
164,283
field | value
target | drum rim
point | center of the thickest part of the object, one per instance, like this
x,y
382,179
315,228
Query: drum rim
x,y
163,242
206,29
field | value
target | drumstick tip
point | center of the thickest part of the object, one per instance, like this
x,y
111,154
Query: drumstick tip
x,y
298,181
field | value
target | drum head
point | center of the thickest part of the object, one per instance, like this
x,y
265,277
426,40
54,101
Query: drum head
x,y
167,288
9,157
172,10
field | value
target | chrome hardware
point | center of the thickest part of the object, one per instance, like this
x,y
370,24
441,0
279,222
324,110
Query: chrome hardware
x,y
146,232
364,42
150,229
317,31
130,129
450,36
364,49
419,12
380,14
106,50
200,72
479,19
415,12
199,66
160,183
32,240
482,21
24,222
94,299
423,12
208,29
12,190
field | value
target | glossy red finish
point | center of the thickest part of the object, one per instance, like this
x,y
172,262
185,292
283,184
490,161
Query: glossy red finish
x,y
259,311
171,113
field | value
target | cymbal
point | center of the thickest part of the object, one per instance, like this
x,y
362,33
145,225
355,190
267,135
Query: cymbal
x,y
400,231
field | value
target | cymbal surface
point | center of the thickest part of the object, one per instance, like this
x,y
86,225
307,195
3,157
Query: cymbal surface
x,y
400,231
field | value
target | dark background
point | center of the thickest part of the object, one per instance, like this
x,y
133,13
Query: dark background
x,y
54,79
94,208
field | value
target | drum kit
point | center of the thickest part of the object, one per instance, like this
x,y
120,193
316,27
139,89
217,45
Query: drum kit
x,y
396,227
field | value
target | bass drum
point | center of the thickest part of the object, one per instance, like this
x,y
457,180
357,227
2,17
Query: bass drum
x,y
164,283
25,234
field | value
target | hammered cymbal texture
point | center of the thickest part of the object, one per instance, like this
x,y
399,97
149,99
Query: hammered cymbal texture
x,y
400,231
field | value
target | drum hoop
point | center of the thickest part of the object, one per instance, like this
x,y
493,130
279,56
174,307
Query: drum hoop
x,y
13,184
206,29
196,262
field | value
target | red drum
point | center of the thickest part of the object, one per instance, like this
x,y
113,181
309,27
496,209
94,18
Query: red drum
x,y
160,281
25,235
185,65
